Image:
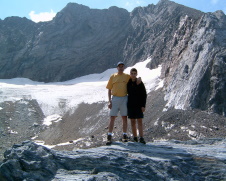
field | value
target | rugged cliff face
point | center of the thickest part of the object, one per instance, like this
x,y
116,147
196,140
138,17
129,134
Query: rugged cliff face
x,y
191,47
195,77
153,31
77,42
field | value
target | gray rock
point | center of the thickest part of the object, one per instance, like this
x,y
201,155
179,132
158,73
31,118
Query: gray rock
x,y
18,120
195,79
78,41
130,161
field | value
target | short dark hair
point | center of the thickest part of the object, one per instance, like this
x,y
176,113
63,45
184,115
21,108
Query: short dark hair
x,y
133,70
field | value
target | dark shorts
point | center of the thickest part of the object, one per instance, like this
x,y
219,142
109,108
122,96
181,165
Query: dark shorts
x,y
135,113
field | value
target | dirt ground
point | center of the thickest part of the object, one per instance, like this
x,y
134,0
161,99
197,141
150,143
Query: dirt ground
x,y
87,126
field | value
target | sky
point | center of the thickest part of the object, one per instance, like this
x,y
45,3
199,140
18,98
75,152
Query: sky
x,y
45,10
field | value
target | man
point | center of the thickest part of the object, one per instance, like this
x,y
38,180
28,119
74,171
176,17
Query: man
x,y
117,97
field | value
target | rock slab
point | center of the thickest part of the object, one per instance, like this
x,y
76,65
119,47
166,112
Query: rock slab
x,y
130,161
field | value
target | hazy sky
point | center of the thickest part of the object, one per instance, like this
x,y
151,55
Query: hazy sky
x,y
44,10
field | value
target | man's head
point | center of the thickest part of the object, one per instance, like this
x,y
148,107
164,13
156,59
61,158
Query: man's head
x,y
120,63
120,67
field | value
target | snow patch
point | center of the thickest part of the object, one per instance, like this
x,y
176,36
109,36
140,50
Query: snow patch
x,y
193,134
160,85
184,128
52,118
60,97
156,123
34,137
41,142
13,132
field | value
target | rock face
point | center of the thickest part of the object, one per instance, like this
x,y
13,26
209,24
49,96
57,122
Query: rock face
x,y
196,78
77,42
130,161
153,30
19,121
191,47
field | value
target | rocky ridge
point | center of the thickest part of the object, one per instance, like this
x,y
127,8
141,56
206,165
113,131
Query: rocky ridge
x,y
130,161
78,41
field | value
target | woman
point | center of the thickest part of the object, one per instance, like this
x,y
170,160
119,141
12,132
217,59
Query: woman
x,y
136,104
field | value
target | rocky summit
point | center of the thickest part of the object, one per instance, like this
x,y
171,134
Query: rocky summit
x,y
120,161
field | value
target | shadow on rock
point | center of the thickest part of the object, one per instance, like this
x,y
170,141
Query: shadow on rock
x,y
120,161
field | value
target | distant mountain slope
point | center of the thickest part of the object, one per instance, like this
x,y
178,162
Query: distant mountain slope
x,y
77,42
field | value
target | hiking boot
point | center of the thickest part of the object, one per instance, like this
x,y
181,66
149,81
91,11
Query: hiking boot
x,y
135,139
142,140
109,140
125,138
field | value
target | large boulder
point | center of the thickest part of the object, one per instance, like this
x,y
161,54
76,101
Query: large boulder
x,y
130,161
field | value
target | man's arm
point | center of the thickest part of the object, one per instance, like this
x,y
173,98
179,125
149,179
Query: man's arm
x,y
139,80
109,99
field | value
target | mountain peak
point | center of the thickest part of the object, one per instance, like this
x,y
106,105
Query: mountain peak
x,y
166,2
73,6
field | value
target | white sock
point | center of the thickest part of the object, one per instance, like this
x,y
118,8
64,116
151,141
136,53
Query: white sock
x,y
124,133
110,134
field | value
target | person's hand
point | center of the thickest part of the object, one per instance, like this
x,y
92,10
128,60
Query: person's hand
x,y
138,80
143,109
109,105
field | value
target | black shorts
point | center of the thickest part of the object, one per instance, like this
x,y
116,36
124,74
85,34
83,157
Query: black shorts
x,y
135,113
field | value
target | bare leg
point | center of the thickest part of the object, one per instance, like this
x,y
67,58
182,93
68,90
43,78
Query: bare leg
x,y
134,128
124,124
140,127
111,124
